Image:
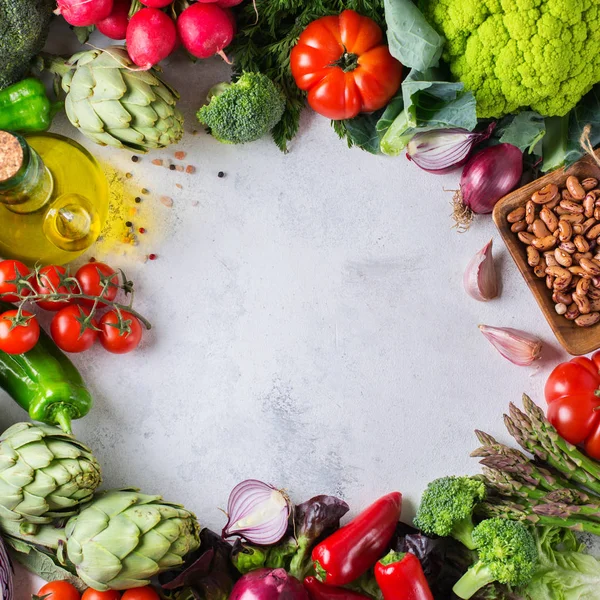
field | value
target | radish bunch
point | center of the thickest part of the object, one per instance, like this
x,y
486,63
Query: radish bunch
x,y
205,28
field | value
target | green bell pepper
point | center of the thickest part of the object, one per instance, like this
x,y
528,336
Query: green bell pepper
x,y
45,382
25,107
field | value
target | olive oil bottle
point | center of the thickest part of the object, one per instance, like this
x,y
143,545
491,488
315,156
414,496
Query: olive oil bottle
x,y
53,198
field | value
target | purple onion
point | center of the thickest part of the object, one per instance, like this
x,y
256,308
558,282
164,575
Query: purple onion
x,y
268,584
6,574
257,512
443,150
488,176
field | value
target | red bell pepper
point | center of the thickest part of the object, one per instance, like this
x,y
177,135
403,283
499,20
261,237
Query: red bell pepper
x,y
400,577
320,591
353,549
573,396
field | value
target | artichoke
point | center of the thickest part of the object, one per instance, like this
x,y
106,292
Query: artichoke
x,y
45,474
115,104
123,538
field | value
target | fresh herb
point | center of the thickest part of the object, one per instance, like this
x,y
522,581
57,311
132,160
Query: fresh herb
x,y
267,32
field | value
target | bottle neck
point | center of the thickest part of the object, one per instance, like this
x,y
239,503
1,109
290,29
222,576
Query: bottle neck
x,y
26,184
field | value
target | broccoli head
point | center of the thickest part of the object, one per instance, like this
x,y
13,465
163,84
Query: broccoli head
x,y
447,506
514,54
507,554
243,111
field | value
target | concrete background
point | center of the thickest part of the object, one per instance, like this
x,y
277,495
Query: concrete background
x,y
310,323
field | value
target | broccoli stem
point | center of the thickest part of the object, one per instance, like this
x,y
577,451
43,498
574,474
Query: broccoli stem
x,y
463,532
473,580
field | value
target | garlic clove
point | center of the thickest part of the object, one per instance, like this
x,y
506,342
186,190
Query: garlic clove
x,y
519,347
480,278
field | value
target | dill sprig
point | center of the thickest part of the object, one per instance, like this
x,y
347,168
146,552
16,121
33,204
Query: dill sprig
x,y
264,42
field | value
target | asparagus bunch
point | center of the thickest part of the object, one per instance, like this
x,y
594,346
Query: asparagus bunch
x,y
559,487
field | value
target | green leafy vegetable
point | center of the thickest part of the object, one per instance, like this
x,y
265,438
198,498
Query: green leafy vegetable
x,y
429,103
361,131
412,40
564,572
524,131
267,34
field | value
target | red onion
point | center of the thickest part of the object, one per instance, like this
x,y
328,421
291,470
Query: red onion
x,y
6,574
488,176
268,584
257,512
443,150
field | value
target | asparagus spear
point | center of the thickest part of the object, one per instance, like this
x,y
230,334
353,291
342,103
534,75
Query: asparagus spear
x,y
516,511
566,460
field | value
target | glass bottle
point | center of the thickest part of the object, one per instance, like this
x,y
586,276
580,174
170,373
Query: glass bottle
x,y
53,198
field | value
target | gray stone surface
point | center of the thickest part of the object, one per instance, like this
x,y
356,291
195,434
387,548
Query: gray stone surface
x,y
310,324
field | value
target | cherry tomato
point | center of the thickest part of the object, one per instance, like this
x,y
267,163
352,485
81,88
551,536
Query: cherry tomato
x,y
90,278
50,284
8,272
66,329
344,65
112,339
143,593
574,404
91,594
20,338
59,590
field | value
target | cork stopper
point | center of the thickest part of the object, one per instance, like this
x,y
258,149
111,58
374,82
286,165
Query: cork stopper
x,y
11,156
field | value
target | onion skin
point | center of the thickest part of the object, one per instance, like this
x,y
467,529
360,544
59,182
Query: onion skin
x,y
489,175
6,574
268,584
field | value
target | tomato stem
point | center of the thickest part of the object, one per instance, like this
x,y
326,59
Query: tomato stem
x,y
348,61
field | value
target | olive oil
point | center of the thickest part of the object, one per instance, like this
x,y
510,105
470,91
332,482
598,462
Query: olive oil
x,y
54,201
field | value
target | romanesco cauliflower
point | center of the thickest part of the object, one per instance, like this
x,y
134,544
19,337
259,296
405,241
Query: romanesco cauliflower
x,y
515,54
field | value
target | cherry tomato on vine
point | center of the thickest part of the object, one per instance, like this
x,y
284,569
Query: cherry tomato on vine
x,y
18,335
91,594
59,590
67,329
143,593
49,278
573,397
345,66
91,277
120,337
10,271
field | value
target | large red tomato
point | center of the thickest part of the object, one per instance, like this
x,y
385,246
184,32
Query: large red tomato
x,y
573,395
343,64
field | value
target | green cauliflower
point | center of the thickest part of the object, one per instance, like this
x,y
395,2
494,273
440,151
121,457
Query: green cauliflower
x,y
518,54
243,111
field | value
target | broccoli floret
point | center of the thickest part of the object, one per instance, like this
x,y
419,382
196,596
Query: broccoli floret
x,y
447,508
243,111
507,554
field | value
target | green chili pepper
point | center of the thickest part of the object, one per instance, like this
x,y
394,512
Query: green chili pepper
x,y
45,383
25,107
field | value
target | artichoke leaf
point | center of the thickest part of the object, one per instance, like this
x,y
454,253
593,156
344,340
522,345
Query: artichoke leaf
x,y
109,85
112,114
83,115
82,84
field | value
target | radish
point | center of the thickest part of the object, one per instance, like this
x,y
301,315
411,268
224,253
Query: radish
x,y
205,29
228,3
156,3
83,13
115,25
151,36
231,16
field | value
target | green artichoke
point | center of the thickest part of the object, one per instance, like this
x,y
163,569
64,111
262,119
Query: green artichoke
x,y
123,538
114,104
44,474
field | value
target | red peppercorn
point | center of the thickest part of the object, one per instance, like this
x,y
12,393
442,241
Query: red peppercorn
x,y
152,257
142,230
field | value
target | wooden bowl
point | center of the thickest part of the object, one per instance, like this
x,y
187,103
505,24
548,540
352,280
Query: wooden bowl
x,y
574,339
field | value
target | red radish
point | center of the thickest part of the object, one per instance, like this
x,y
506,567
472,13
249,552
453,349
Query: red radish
x,y
83,13
151,36
228,3
232,20
205,29
115,25
156,3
